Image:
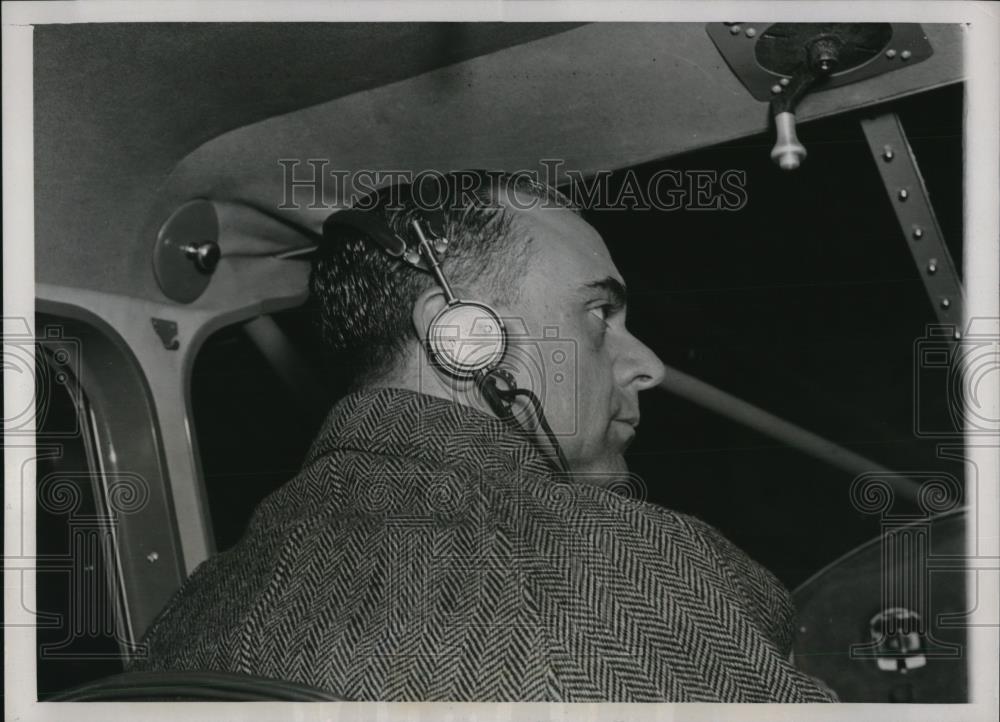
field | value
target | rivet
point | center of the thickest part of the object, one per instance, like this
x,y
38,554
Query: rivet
x,y
152,557
887,153
906,55
776,89
918,233
957,335
784,82
751,32
903,194
735,29
932,266
890,53
945,303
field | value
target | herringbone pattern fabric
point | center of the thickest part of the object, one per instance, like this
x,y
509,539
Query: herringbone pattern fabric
x,y
426,553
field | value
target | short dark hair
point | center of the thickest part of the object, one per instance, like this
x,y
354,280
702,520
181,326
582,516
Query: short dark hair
x,y
364,296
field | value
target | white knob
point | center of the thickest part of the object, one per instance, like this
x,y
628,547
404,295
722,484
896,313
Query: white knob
x,y
788,152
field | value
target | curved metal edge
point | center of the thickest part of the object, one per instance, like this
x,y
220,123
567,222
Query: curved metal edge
x,y
873,542
121,399
192,686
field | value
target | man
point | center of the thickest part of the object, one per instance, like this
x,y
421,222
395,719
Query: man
x,y
441,545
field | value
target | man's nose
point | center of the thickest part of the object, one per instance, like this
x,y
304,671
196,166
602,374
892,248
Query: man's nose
x,y
640,367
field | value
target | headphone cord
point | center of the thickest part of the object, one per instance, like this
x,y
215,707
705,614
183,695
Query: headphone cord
x,y
543,422
500,402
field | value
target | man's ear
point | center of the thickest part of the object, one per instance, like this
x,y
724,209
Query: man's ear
x,y
425,308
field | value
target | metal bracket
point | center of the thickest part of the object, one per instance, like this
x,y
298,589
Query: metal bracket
x,y
167,331
898,167
750,50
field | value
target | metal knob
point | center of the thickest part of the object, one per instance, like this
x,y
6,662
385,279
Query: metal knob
x,y
823,56
788,152
205,255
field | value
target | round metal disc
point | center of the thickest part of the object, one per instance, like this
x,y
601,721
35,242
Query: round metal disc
x,y
193,224
467,337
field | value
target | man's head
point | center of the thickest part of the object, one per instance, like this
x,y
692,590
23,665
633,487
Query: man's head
x,y
521,248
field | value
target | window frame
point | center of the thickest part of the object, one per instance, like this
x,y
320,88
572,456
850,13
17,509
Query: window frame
x,y
119,416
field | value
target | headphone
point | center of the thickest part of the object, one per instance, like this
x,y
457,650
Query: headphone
x,y
466,339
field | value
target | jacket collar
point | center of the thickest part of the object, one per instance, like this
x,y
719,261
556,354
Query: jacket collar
x,y
400,422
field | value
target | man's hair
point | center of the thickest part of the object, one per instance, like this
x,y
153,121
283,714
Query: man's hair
x,y
365,296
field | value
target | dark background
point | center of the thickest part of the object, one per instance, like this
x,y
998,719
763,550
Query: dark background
x,y
805,302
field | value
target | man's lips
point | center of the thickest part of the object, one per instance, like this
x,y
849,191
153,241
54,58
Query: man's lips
x,y
626,431
628,426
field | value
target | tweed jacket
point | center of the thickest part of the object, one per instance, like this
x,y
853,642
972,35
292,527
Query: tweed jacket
x,y
427,551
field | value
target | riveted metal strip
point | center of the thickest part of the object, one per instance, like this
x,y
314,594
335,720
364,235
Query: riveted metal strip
x,y
898,167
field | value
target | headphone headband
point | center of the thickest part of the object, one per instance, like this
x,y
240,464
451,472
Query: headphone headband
x,y
369,219
465,338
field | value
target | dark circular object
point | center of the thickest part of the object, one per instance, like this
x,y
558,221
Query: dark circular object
x,y
839,606
824,53
784,47
183,255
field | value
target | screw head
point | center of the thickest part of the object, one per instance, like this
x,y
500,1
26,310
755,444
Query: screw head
x,y
205,255
890,53
932,266
903,194
945,303
906,55
776,89
918,233
751,32
887,153
734,29
784,82
152,557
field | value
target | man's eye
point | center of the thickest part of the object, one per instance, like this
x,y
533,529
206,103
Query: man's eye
x,y
602,312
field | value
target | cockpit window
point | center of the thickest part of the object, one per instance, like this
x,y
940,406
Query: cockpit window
x,y
258,399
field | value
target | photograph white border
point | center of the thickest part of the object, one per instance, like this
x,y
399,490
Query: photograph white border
x,y
981,277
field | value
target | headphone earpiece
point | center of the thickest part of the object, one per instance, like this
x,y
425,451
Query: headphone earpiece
x,y
466,338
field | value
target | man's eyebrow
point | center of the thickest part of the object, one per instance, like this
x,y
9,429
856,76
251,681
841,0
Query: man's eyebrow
x,y
613,287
